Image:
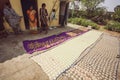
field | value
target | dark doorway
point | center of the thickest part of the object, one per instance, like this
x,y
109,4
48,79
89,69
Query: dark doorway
x,y
66,13
63,13
25,6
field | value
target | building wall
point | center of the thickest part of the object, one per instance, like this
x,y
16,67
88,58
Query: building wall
x,y
16,5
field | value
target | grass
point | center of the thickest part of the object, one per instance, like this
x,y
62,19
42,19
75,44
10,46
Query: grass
x,y
84,22
113,26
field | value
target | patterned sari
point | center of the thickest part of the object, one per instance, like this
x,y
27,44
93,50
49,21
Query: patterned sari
x,y
32,19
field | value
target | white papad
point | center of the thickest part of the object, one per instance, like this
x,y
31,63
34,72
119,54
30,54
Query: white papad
x,y
60,58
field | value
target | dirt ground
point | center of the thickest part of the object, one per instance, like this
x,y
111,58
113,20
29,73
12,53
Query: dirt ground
x,y
15,63
112,33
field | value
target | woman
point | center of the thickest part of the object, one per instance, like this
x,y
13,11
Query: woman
x,y
12,18
43,18
32,18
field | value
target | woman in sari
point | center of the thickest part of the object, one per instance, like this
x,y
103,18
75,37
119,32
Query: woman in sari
x,y
32,18
43,18
12,18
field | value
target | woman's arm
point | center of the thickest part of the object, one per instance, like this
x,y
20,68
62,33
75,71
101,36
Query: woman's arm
x,y
41,17
46,12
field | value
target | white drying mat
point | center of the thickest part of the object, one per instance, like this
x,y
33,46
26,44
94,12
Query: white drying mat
x,y
60,58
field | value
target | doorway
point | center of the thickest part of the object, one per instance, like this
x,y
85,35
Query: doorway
x,y
25,6
63,13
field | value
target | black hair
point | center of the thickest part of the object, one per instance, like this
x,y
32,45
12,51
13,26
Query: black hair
x,y
53,10
31,6
43,4
7,4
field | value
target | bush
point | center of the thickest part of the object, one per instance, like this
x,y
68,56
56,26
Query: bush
x,y
113,26
94,26
76,13
73,20
83,22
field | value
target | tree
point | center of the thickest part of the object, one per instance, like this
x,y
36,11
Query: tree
x,y
99,15
117,13
91,5
74,6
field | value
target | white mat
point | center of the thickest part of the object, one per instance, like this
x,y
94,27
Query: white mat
x,y
57,60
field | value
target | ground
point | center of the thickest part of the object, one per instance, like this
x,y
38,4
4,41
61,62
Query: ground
x,y
15,63
112,33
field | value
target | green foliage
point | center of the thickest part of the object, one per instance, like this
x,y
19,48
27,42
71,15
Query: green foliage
x,y
117,10
116,15
113,26
83,22
77,13
100,11
98,15
91,6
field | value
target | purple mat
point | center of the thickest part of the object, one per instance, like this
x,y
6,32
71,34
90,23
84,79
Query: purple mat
x,y
42,44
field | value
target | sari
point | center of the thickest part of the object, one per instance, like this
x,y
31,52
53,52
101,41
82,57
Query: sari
x,y
32,19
